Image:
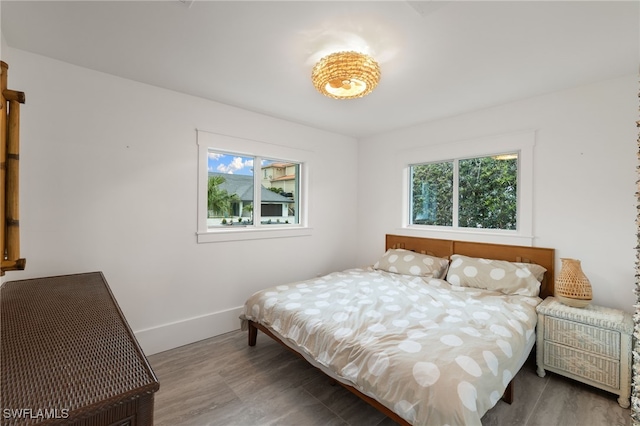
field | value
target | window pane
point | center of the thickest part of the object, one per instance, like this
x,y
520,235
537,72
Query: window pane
x,y
230,190
432,194
487,192
280,192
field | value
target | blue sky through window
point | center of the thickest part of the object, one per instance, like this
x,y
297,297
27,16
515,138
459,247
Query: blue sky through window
x,y
230,164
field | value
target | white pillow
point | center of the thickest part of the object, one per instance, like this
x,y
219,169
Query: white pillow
x,y
406,262
496,275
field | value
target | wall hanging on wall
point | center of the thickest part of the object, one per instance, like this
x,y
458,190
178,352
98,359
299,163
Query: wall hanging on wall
x,y
9,175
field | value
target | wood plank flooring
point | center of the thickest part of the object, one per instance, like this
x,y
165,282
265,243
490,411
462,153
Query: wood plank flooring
x,y
223,382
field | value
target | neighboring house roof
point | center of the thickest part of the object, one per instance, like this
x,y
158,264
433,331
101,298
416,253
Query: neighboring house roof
x,y
285,177
242,186
278,165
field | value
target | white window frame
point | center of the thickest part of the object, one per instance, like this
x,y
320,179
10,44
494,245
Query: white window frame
x,y
522,143
257,149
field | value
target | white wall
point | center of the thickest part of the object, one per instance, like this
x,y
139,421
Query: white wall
x,y
584,178
109,172
108,182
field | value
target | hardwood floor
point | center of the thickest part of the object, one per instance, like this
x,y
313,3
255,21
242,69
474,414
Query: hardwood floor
x,y
222,381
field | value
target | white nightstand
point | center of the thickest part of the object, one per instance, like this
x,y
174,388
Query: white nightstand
x,y
591,345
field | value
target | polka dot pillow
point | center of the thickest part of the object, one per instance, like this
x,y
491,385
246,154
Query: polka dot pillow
x,y
406,262
496,275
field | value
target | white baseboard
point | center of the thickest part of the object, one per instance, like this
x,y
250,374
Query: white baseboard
x,y
180,333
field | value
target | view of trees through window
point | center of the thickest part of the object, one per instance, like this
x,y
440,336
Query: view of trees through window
x,y
467,193
432,194
232,180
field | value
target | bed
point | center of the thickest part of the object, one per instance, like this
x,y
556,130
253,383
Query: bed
x,y
432,333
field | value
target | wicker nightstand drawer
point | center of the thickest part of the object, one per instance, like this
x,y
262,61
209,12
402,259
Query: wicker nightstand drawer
x,y
590,344
581,336
584,364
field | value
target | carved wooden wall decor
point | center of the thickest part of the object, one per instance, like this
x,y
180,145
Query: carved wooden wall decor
x,y
9,175
635,389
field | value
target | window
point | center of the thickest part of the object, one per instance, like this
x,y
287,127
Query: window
x,y
248,196
432,194
231,191
478,192
470,189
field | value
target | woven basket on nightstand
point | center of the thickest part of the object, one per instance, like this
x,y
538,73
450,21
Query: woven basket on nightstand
x,y
572,286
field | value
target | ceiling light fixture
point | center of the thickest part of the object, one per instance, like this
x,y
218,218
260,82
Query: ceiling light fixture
x,y
346,75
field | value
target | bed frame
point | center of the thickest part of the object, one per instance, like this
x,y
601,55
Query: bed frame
x,y
544,257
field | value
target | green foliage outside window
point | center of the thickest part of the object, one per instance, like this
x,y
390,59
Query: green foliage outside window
x,y
432,191
276,190
487,193
219,201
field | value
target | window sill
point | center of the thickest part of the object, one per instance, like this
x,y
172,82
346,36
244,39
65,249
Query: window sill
x,y
244,234
487,235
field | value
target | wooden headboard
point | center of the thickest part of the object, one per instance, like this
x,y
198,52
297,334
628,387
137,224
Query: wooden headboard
x,y
544,257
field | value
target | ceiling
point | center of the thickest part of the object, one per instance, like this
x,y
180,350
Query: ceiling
x,y
438,59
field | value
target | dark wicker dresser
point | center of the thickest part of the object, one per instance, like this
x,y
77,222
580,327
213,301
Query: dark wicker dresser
x,y
68,356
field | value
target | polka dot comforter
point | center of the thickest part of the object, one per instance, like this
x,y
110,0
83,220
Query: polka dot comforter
x,y
433,353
